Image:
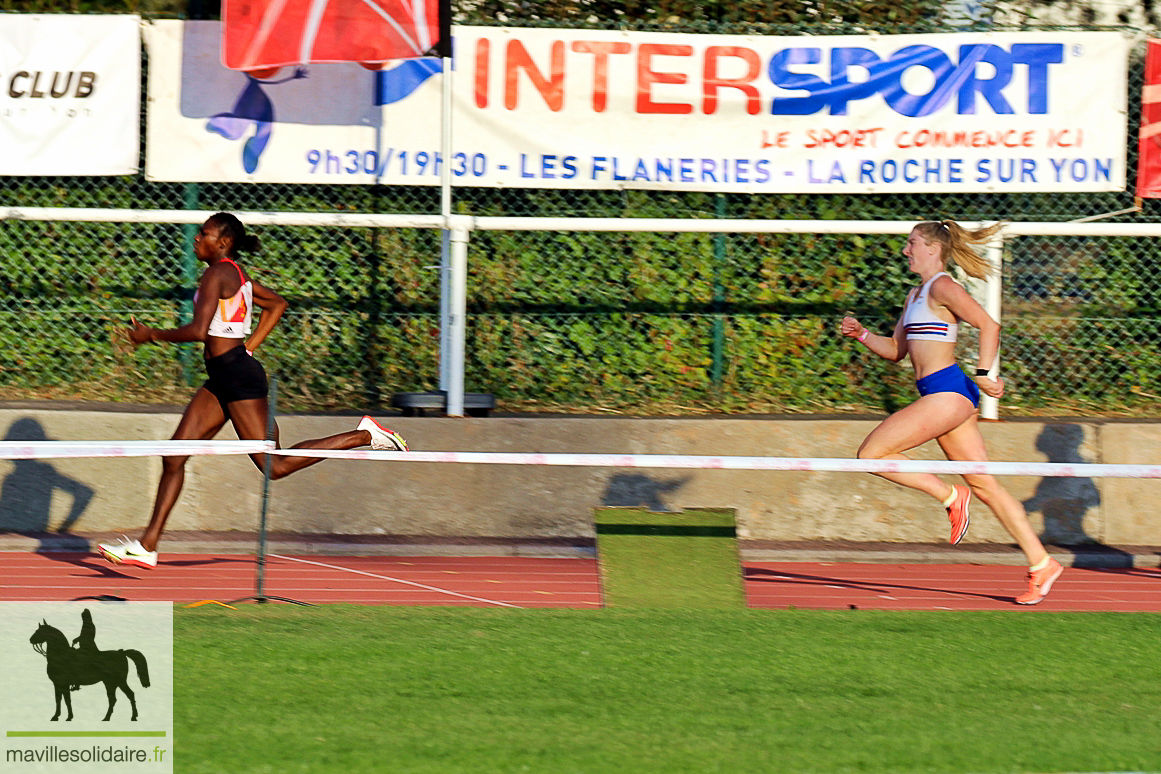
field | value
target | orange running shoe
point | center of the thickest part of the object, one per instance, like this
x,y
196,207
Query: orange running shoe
x,y
1040,582
957,513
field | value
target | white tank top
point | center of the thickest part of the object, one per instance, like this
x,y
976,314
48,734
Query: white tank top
x,y
234,315
919,322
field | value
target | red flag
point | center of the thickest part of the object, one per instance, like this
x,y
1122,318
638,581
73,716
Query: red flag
x,y
261,34
1149,137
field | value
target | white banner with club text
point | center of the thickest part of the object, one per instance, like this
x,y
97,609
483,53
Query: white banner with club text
x,y
71,97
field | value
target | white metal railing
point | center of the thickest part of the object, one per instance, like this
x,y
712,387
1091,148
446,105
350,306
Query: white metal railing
x,y
459,228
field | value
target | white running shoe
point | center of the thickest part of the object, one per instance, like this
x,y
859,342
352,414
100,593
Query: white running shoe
x,y
381,437
129,552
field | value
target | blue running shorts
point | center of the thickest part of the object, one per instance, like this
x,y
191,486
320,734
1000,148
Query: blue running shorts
x,y
950,379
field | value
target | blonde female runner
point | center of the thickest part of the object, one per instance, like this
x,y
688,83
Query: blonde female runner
x,y
946,408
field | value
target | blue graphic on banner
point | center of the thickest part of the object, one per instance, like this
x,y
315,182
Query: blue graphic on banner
x,y
400,81
253,106
885,78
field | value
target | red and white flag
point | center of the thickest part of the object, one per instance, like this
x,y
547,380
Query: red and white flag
x,y
262,34
1149,138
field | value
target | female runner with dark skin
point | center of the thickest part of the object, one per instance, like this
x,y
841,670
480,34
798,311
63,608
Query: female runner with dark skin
x,y
237,388
946,409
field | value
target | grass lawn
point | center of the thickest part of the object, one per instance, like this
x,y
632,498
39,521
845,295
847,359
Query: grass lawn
x,y
388,689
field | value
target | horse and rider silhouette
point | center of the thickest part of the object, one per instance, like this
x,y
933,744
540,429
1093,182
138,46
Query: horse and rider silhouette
x,y
81,663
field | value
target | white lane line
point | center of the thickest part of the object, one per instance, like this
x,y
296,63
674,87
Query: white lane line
x,y
395,580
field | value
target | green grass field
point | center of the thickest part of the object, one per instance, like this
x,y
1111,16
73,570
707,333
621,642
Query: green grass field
x,y
381,689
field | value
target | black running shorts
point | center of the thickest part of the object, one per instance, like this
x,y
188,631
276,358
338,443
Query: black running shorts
x,y
235,375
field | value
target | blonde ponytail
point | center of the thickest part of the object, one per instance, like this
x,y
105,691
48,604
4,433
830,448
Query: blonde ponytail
x,y
959,244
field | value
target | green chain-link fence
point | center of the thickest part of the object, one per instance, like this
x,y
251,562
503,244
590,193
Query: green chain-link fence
x,y
581,321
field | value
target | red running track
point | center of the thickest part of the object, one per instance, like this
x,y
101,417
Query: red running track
x,y
381,580
545,582
946,587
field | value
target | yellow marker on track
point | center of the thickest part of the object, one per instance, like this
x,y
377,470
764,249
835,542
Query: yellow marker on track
x,y
210,602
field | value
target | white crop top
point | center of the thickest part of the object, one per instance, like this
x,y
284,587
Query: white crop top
x,y
919,322
234,315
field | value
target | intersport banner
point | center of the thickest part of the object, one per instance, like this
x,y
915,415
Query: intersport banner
x,y
71,97
553,108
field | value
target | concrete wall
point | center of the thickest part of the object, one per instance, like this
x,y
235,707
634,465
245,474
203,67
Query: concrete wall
x,y
493,501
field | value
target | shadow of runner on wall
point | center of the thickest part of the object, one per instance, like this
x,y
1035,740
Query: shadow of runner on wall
x,y
26,496
1065,502
637,490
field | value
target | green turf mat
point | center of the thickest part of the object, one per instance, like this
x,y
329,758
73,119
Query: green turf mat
x,y
669,560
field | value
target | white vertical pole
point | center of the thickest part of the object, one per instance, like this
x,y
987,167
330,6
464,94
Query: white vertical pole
x,y
444,307
994,253
460,232
445,261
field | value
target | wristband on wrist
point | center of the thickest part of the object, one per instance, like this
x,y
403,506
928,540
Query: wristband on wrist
x,y
864,334
981,372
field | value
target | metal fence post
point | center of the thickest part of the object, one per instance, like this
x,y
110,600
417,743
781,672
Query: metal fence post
x,y
446,270
460,228
260,596
719,297
993,303
445,279
189,266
